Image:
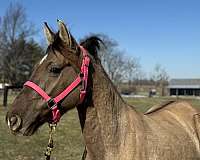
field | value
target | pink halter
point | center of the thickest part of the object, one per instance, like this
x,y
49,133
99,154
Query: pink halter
x,y
52,103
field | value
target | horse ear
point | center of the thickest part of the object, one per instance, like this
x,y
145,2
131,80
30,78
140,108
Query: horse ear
x,y
64,33
49,34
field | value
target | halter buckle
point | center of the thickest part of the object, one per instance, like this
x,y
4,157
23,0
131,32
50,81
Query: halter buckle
x,y
51,103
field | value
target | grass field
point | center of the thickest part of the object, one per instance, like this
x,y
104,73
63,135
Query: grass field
x,y
69,144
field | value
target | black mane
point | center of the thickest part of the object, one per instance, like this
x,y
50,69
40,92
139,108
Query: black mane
x,y
92,44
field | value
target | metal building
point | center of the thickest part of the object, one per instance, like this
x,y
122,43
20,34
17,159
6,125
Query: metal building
x,y
184,87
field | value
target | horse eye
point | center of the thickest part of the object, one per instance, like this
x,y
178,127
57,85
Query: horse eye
x,y
55,69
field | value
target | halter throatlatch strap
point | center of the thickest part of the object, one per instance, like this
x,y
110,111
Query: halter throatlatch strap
x,y
52,103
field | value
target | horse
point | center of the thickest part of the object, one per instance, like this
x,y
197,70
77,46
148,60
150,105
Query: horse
x,y
111,128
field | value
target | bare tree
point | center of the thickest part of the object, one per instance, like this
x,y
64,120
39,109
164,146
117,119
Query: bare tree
x,y
114,66
18,52
14,23
160,77
132,69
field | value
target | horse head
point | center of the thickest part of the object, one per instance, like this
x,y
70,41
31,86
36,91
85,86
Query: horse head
x,y
59,68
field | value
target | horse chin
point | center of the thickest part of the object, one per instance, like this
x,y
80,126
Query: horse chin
x,y
30,130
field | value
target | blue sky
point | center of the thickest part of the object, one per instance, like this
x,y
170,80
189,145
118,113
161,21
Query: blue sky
x,y
156,31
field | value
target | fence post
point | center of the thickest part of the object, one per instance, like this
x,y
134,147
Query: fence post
x,y
5,96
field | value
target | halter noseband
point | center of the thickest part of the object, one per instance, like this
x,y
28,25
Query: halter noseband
x,y
52,103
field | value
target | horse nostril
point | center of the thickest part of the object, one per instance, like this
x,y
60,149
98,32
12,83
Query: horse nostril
x,y
14,122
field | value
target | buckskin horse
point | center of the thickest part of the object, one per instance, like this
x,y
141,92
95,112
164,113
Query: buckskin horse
x,y
112,129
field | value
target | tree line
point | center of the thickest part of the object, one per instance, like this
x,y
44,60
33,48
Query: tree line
x,y
19,52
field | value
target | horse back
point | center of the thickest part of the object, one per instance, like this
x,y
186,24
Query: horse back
x,y
175,125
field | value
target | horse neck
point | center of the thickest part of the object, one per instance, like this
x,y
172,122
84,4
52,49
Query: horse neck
x,y
100,117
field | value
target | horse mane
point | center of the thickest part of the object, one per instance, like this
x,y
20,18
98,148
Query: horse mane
x,y
92,44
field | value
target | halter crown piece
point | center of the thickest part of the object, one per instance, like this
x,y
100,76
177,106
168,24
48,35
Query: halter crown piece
x,y
52,103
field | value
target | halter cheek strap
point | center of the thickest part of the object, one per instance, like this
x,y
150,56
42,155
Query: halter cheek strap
x,y
52,103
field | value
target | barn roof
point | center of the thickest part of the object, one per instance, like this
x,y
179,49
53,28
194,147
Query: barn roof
x,y
184,83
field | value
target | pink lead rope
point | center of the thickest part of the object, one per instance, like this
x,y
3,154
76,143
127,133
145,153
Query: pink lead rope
x,y
52,103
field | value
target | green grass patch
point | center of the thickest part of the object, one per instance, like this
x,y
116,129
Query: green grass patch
x,y
68,141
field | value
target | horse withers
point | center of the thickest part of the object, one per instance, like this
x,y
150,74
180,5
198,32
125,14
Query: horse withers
x,y
112,129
